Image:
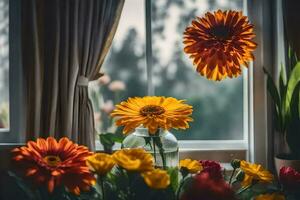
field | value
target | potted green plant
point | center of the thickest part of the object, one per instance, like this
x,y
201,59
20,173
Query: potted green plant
x,y
285,96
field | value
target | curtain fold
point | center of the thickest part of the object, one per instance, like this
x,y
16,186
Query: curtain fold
x,y
64,44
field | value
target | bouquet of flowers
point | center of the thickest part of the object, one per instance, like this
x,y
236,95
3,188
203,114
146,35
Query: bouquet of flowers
x,y
51,169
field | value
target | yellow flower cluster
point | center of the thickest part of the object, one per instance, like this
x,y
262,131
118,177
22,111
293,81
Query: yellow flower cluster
x,y
254,172
192,166
273,196
134,160
156,179
100,163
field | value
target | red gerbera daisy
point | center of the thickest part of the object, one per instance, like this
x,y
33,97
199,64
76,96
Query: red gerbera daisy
x,y
51,163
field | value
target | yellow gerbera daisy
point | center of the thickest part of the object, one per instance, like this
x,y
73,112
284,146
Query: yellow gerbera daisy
x,y
192,166
134,159
254,172
153,113
100,163
156,179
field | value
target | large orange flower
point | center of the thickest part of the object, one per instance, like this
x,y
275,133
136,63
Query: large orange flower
x,y
220,43
153,112
51,163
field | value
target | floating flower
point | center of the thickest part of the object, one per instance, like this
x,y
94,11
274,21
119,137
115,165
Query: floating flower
x,y
290,179
203,186
213,168
117,86
100,163
134,159
51,163
254,172
153,113
156,179
220,43
273,196
104,80
192,166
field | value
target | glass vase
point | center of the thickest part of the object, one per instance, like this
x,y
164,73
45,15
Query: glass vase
x,y
163,146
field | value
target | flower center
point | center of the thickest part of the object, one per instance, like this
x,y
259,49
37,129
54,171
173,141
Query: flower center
x,y
221,32
152,110
52,160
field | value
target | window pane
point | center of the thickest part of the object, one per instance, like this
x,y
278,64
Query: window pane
x,y
218,106
124,64
4,64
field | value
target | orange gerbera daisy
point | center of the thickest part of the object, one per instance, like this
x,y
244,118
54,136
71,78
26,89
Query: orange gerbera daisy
x,y
51,163
153,113
220,43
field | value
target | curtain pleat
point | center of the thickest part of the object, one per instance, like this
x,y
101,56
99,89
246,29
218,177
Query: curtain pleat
x,y
64,44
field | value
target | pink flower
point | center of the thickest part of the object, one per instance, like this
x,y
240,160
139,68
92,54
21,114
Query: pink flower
x,y
108,107
204,187
105,79
97,116
289,178
116,86
213,168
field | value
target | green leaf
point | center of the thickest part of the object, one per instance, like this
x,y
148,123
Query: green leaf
x,y
173,172
273,91
291,85
295,102
290,52
110,138
282,82
23,185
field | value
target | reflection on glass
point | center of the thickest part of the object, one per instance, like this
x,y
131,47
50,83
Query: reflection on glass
x,y
4,64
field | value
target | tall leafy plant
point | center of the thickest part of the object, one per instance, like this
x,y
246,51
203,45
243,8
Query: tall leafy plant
x,y
286,98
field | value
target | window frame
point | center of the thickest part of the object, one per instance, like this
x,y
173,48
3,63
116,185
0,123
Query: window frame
x,y
260,106
14,134
199,148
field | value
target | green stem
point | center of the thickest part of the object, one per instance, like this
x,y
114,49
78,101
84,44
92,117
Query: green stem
x,y
102,188
161,151
232,173
244,189
154,149
180,187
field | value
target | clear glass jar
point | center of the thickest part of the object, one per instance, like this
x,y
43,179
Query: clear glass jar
x,y
163,146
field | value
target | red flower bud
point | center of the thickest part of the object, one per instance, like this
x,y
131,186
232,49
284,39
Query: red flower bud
x,y
205,187
213,168
290,179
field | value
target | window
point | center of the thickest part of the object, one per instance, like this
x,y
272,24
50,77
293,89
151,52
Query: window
x,y
218,106
11,98
4,65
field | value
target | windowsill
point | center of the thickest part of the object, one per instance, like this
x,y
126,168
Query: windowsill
x,y
221,151
200,145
